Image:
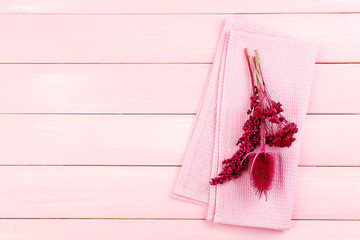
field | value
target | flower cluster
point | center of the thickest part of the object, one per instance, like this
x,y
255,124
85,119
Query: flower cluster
x,y
283,137
265,125
280,132
234,166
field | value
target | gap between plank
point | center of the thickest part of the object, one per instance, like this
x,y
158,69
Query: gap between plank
x,y
160,114
193,13
161,219
147,165
141,63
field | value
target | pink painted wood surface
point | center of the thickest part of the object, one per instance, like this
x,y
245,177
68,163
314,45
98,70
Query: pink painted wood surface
x,y
145,88
90,229
159,38
144,192
163,6
134,32
148,140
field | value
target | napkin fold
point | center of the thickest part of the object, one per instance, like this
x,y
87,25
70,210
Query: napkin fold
x,y
288,67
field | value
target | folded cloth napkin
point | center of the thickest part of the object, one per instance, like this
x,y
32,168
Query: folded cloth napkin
x,y
288,65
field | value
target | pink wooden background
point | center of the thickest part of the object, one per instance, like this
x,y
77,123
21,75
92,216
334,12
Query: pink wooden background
x,y
96,103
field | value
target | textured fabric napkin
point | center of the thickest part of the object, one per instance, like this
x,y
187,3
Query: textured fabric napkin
x,y
288,66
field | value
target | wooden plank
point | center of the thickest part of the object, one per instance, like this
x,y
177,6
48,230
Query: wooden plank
x,y
145,88
94,139
144,192
159,38
148,139
102,88
161,6
329,91
70,229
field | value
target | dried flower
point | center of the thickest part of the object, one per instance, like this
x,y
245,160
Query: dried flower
x,y
262,172
234,166
265,125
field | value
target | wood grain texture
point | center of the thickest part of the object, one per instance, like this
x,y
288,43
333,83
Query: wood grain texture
x,y
144,192
163,6
149,139
79,117
90,229
159,38
145,88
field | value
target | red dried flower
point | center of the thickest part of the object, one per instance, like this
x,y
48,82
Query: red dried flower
x,y
262,172
265,125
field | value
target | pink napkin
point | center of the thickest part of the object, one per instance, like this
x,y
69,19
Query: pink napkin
x,y
288,66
